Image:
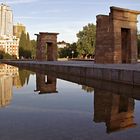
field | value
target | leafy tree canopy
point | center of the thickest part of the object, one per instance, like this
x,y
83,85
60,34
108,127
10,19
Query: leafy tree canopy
x,y
4,55
86,40
70,51
26,46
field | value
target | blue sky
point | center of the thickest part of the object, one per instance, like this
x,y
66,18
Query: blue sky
x,y
66,17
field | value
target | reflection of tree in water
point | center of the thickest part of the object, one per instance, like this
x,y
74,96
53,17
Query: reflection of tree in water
x,y
87,89
24,76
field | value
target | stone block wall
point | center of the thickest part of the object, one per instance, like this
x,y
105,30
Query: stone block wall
x,y
46,46
104,40
116,36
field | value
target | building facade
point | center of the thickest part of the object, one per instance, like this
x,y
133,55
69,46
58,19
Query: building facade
x,y
18,29
6,20
10,45
62,44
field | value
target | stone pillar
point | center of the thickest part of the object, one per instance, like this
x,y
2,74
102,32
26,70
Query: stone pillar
x,y
116,36
104,40
46,46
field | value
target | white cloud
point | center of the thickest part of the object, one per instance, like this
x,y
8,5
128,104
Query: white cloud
x,y
28,17
51,19
50,11
18,1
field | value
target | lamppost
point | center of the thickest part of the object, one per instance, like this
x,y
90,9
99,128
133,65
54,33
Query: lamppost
x,y
72,54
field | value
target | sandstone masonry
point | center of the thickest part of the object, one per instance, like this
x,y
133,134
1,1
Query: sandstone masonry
x,y
46,46
116,36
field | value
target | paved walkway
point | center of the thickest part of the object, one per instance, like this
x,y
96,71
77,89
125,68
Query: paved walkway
x,y
122,73
89,64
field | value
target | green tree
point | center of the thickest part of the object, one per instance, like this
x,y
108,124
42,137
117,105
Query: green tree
x,y
72,50
7,56
1,55
4,55
33,48
67,51
86,40
63,52
28,42
25,47
22,44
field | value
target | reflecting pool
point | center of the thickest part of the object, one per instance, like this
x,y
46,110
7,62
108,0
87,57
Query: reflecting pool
x,y
37,106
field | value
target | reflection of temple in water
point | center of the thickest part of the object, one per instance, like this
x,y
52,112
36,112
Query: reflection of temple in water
x,y
5,90
45,84
115,110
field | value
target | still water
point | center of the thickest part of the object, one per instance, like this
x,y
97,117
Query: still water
x,y
35,106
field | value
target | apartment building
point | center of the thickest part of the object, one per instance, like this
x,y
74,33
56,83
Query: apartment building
x,y
6,20
10,45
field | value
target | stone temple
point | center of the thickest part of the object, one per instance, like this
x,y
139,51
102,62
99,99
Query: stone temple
x,y
46,46
116,36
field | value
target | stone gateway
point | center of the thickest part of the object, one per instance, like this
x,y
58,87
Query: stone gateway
x,y
46,46
116,36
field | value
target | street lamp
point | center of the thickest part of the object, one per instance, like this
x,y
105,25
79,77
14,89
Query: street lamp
x,y
72,53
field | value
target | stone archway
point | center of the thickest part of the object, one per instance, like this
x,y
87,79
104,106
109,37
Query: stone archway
x,y
116,36
46,46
